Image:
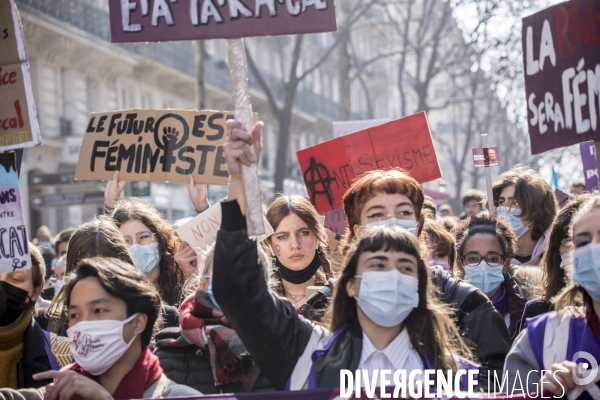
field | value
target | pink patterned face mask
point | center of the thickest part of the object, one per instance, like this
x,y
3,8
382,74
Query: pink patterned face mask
x,y
441,263
98,345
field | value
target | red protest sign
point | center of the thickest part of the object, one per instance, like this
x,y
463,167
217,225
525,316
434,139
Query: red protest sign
x,y
164,20
330,168
561,55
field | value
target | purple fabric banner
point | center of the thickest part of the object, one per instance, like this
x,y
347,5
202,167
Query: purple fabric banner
x,y
590,170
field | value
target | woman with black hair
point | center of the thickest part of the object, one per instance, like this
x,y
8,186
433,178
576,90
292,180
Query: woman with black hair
x,y
485,246
113,312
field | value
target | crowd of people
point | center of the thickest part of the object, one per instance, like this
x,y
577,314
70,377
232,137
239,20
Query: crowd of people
x,y
120,307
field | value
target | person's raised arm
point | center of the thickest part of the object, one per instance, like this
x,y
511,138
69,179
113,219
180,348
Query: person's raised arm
x,y
268,325
112,192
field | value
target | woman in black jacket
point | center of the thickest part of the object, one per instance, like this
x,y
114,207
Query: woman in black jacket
x,y
294,353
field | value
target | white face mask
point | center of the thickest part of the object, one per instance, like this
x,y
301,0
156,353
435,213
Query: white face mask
x,y
444,264
409,224
567,258
387,297
98,345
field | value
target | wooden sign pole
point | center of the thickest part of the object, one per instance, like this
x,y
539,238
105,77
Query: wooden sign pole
x,y
238,72
488,178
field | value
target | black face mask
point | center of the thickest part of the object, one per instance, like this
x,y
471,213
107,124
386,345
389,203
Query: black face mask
x,y
298,277
13,301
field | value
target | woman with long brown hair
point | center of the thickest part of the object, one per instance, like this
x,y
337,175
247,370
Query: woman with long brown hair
x,y
298,246
557,342
383,301
152,245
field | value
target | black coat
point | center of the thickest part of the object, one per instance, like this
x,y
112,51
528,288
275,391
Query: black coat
x,y
190,365
35,358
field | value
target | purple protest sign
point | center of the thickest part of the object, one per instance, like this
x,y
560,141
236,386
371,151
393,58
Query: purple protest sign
x,y
561,55
164,20
590,170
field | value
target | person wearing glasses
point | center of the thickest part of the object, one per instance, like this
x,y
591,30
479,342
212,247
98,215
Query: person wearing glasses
x,y
557,262
523,197
485,246
152,245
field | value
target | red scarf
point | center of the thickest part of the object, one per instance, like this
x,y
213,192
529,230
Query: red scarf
x,y
516,305
144,373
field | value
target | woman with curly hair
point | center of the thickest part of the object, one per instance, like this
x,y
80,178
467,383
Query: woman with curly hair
x,y
152,245
299,248
485,246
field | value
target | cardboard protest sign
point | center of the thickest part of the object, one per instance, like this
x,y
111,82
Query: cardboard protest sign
x,y
590,170
155,145
201,231
330,167
561,55
486,157
164,20
18,118
333,240
14,244
341,128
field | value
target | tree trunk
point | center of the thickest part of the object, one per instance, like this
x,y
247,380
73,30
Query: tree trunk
x,y
285,120
345,104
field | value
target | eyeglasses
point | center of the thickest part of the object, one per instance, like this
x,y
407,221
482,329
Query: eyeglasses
x,y
473,260
144,238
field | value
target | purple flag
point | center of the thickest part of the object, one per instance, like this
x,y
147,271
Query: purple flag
x,y
590,170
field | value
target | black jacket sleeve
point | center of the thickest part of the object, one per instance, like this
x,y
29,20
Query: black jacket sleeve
x,y
268,325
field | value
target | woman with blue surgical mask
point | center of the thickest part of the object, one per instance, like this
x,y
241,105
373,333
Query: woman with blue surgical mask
x,y
565,344
485,246
557,262
152,245
383,314
523,197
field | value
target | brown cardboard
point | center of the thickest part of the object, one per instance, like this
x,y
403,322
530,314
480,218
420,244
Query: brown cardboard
x,y
163,20
155,145
18,119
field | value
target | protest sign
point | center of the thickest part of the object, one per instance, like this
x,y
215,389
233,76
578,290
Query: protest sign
x,y
155,145
201,231
590,170
18,118
341,128
486,157
163,20
330,167
14,245
561,55
336,221
333,240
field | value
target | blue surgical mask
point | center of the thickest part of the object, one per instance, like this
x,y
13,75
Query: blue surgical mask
x,y
387,297
586,269
211,296
514,217
485,277
409,224
146,257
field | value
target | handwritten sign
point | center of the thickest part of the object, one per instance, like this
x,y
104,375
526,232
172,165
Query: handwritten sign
x,y
155,145
201,231
336,221
164,20
330,168
486,157
18,118
590,169
561,55
14,245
